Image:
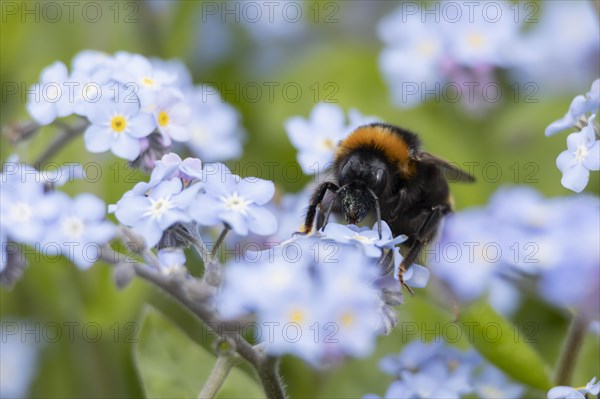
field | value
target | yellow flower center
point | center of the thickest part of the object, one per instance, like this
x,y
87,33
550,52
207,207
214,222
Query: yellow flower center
x,y
347,319
297,316
163,119
118,123
476,40
426,48
149,82
327,144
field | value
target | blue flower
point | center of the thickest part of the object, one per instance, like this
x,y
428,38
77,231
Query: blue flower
x,y
48,99
493,384
415,276
582,155
364,237
214,127
169,166
580,106
172,261
150,215
172,115
80,230
320,312
317,138
117,125
564,392
26,209
18,359
238,202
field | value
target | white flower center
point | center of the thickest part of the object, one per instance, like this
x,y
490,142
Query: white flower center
x,y
581,153
21,212
159,207
73,227
199,136
236,203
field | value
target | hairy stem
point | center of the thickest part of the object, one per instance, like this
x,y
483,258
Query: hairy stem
x,y
219,241
219,373
571,348
270,379
69,132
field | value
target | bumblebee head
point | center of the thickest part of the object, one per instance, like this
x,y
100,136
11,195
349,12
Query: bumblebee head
x,y
362,176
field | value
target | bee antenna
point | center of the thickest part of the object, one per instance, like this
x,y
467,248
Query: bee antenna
x,y
377,211
330,207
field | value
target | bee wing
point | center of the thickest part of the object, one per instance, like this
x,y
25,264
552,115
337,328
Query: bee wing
x,y
452,173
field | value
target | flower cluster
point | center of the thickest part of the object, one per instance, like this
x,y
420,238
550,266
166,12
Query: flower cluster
x,y
186,191
317,138
322,297
422,54
127,98
531,238
33,213
583,148
436,370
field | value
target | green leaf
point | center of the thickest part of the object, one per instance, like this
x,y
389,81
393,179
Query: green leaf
x,y
501,343
171,365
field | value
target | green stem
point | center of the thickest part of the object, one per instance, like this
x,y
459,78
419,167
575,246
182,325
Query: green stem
x,y
68,133
219,241
219,373
571,348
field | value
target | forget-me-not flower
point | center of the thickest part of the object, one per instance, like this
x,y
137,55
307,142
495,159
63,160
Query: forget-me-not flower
x,y
581,156
117,125
80,230
581,106
150,215
46,100
238,202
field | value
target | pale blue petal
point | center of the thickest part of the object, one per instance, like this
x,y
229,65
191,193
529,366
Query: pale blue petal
x,y
141,125
206,210
258,190
419,276
131,209
299,132
574,140
179,133
171,217
166,188
565,160
89,207
150,231
97,138
261,221
236,220
563,392
559,125
101,232
592,160
126,147
575,178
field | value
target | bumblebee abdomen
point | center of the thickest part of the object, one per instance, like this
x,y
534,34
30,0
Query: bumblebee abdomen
x,y
393,144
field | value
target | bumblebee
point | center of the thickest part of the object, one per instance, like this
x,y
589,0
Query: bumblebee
x,y
381,167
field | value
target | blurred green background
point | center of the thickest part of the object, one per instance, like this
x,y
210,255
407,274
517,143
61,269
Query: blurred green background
x,y
343,53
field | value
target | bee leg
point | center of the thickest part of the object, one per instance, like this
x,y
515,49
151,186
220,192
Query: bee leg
x,y
401,278
424,234
377,211
315,201
330,207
